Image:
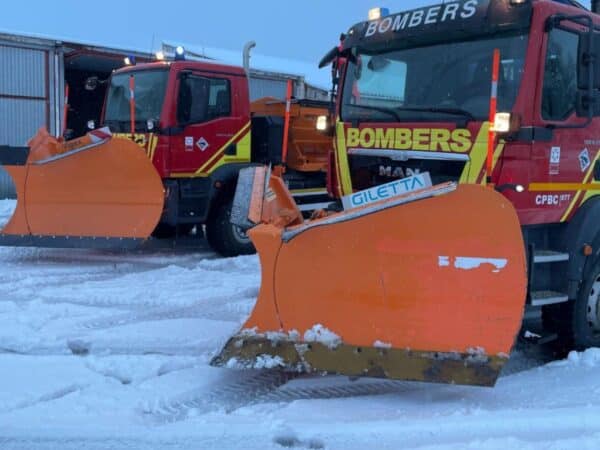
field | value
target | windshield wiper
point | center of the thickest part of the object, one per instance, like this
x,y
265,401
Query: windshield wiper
x,y
439,109
389,111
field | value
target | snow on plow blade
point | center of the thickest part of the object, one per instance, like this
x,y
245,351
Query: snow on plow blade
x,y
427,286
87,192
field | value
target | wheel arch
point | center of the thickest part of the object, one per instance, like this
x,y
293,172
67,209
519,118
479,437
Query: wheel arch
x,y
223,182
582,230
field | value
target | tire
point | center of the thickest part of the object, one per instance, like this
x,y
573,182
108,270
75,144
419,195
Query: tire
x,y
224,237
585,319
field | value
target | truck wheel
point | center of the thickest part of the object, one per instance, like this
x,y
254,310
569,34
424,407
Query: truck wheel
x,y
224,237
586,311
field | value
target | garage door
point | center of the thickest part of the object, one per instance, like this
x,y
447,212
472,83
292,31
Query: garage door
x,y
23,93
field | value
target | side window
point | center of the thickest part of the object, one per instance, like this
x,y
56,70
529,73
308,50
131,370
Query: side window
x,y
560,75
202,99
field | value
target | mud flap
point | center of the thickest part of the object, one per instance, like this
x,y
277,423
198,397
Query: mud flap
x,y
429,286
96,186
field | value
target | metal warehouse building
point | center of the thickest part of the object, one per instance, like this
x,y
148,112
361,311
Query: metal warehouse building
x,y
33,74
35,70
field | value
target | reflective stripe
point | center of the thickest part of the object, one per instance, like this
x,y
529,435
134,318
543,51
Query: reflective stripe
x,y
344,178
72,152
217,154
560,187
494,89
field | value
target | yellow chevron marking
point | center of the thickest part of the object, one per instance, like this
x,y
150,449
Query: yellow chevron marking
x,y
478,156
579,192
343,167
218,152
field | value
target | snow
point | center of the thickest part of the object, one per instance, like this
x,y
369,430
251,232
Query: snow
x,y
381,344
318,333
103,350
7,208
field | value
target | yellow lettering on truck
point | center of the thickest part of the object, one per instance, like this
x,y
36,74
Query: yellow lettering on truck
x,y
420,139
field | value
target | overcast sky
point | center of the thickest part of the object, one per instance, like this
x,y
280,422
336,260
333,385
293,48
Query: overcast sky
x,y
301,29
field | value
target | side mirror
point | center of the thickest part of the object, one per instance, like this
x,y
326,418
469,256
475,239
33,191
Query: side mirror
x,y
152,125
91,83
329,57
588,57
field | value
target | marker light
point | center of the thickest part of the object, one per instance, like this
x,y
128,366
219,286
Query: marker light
x,y
91,125
127,61
501,122
378,13
322,123
160,55
179,53
510,186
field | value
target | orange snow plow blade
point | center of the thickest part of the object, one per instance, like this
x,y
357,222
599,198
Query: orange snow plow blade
x,y
95,189
427,286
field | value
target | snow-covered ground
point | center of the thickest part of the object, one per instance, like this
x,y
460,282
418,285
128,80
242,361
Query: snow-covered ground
x,y
103,350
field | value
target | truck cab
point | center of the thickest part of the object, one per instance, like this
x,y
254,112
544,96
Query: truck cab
x,y
413,94
195,122
190,117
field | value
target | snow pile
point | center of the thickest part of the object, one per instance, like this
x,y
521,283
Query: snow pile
x,y
260,362
268,362
588,358
318,333
7,208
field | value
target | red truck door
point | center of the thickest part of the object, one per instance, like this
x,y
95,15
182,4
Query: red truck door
x,y
206,112
568,155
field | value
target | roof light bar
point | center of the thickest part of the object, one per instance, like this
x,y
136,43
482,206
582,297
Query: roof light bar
x,y
378,13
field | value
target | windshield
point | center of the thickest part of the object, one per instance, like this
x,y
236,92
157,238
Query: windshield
x,y
440,82
150,87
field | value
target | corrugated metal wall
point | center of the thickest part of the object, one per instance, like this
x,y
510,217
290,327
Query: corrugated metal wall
x,y
23,93
27,94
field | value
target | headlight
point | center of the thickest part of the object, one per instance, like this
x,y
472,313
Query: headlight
x,y
322,123
501,122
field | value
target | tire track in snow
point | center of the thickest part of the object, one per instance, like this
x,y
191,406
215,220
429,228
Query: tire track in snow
x,y
341,390
265,388
259,389
227,397
51,396
230,307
